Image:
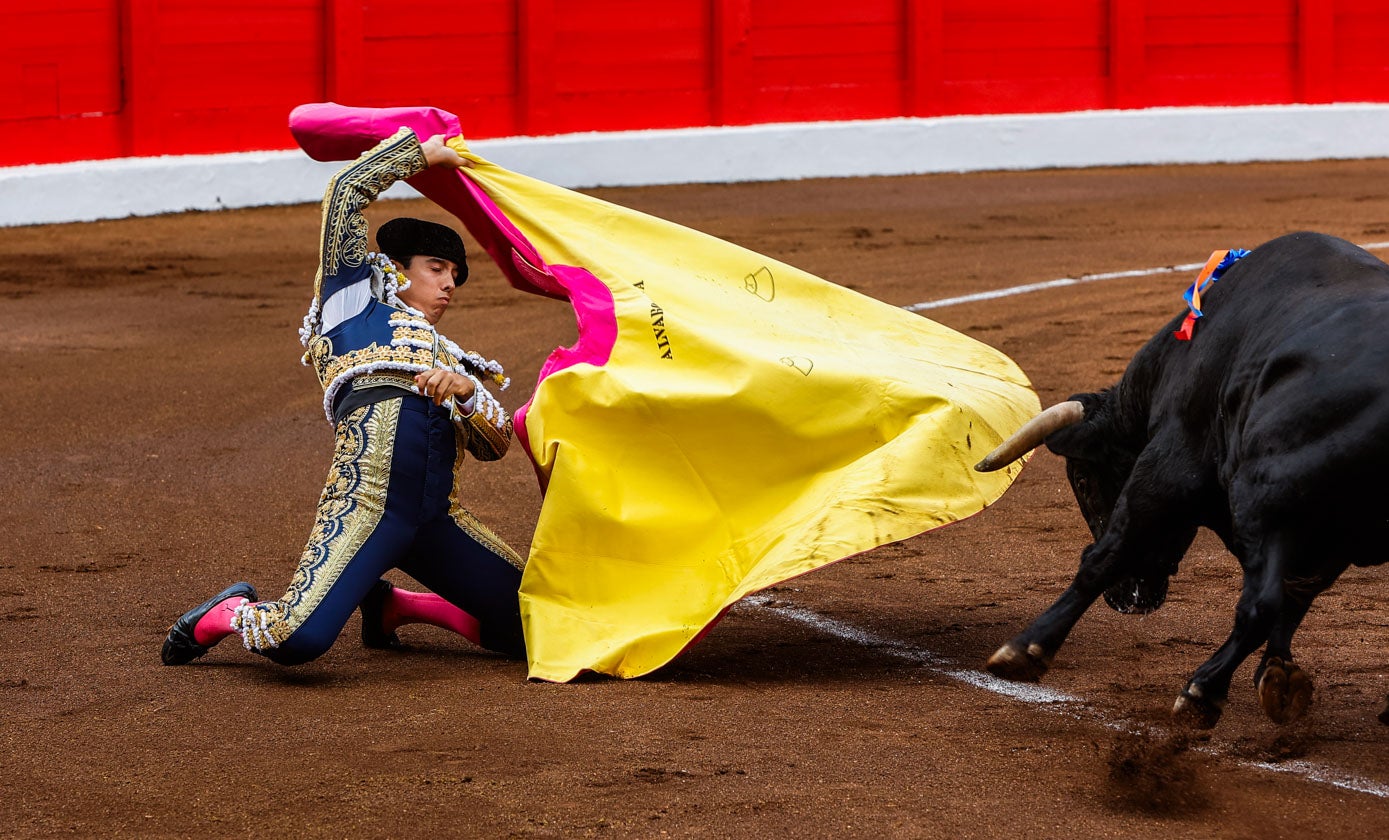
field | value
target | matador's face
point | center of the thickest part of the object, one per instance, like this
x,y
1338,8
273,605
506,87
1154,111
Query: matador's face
x,y
432,281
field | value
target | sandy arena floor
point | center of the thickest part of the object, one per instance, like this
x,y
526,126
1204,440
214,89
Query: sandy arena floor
x,y
159,439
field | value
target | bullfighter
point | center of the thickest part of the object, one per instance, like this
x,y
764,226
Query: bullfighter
x,y
407,403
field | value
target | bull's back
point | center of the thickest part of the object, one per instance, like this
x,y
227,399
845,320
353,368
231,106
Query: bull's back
x,y
1293,362
1287,283
1292,301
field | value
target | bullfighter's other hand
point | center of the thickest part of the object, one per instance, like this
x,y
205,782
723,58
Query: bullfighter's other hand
x,y
440,384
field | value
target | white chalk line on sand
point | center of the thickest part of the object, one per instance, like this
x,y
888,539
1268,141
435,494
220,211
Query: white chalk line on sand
x,y
1062,282
1038,695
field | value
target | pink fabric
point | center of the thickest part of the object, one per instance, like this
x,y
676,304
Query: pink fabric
x,y
405,607
328,131
590,297
215,625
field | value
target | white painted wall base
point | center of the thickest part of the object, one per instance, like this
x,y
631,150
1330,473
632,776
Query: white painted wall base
x,y
88,190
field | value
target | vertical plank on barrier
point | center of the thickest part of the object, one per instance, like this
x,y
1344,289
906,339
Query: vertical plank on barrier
x,y
139,111
535,71
1316,52
730,60
923,50
343,50
1127,43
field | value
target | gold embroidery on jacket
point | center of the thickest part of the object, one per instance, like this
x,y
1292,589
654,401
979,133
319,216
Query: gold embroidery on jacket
x,y
377,380
407,359
414,347
485,439
404,351
469,523
344,227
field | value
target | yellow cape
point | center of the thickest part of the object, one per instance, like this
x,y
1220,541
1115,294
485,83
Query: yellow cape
x,y
725,421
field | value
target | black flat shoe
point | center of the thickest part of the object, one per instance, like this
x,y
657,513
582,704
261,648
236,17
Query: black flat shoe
x,y
180,647
374,632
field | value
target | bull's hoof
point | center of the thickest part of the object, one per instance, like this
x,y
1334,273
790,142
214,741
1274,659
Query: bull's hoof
x,y
1285,691
1194,710
1014,662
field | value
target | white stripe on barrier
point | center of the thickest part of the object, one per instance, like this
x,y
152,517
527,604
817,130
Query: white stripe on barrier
x,y
106,189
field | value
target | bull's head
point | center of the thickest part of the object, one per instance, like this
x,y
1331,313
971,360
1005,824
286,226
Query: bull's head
x,y
1099,460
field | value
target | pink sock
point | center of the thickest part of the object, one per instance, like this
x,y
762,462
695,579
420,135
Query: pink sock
x,y
405,607
216,624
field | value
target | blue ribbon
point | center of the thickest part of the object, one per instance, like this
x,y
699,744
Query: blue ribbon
x,y
1232,256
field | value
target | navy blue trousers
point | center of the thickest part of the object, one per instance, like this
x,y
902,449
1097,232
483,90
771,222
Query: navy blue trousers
x,y
392,502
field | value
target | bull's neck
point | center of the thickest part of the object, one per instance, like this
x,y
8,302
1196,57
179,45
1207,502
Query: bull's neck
x,y
1132,406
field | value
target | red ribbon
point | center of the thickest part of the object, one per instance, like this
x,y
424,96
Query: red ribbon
x,y
1194,304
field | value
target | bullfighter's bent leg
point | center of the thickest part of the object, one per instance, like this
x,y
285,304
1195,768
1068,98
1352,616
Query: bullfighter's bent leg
x,y
475,573
387,607
365,523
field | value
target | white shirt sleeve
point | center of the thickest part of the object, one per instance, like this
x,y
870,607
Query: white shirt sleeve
x,y
349,301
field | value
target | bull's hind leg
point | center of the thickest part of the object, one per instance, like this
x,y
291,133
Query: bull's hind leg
x,y
1285,690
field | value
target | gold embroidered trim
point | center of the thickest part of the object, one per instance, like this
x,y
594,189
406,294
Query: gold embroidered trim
x,y
469,523
373,380
485,440
487,431
401,317
330,367
350,190
350,508
414,334
336,366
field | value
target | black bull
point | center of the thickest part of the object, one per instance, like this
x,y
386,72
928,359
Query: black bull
x,y
1270,427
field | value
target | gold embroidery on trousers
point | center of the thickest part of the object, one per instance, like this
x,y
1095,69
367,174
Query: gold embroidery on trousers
x,y
349,510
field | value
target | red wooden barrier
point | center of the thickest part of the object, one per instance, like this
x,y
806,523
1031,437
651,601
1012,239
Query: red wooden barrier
x,y
84,79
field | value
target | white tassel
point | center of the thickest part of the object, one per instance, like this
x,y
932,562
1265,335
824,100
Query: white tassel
x,y
253,624
309,328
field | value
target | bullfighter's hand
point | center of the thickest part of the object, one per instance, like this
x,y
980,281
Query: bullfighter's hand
x,y
439,153
440,384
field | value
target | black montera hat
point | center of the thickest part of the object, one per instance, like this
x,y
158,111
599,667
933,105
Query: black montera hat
x,y
403,238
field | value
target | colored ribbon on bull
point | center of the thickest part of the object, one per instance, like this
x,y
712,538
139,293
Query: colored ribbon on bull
x,y
1211,272
724,422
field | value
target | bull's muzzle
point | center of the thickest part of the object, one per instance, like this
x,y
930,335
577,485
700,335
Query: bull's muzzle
x,y
1137,595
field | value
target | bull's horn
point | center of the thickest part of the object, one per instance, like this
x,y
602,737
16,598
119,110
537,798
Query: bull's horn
x,y
1032,433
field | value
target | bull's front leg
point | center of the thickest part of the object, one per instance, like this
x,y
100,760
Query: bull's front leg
x,y
1029,655
1131,543
1148,532
1261,602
